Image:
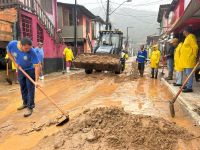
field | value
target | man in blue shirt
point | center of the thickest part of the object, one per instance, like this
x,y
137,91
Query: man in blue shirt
x,y
22,54
40,53
141,59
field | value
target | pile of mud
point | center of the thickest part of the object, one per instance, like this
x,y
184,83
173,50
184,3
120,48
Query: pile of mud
x,y
98,59
113,129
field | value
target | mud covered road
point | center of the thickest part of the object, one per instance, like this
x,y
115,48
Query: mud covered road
x,y
77,92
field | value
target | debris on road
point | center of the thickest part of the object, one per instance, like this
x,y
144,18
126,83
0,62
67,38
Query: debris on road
x,y
197,110
39,126
101,59
97,61
113,128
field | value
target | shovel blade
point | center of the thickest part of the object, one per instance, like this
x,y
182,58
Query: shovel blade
x,y
63,120
171,108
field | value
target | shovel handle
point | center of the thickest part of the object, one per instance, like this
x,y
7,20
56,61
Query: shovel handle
x,y
49,98
185,82
7,69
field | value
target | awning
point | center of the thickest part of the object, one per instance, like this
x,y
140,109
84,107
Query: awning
x,y
192,11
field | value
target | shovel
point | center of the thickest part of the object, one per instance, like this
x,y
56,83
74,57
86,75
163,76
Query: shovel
x,y
7,74
65,118
171,103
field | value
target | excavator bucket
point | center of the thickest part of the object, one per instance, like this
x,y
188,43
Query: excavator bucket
x,y
98,61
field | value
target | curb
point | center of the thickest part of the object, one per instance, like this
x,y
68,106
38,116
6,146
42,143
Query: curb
x,y
187,106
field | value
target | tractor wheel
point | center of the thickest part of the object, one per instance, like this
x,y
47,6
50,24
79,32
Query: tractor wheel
x,y
88,71
98,70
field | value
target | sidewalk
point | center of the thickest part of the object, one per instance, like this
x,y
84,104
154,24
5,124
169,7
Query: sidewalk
x,y
190,101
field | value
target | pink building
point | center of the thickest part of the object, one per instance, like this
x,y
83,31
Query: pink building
x,y
86,23
180,13
36,19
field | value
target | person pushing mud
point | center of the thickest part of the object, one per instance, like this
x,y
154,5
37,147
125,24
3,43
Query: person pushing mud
x,y
23,55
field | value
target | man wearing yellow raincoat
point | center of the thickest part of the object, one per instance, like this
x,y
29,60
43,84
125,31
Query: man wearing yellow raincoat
x,y
69,56
154,58
188,56
177,65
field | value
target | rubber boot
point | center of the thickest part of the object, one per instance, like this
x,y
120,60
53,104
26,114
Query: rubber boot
x,y
152,73
68,69
156,74
169,78
141,73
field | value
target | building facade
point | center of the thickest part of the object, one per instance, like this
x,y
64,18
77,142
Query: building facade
x,y
84,26
177,15
36,19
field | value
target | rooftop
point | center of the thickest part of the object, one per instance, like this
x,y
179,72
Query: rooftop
x,y
81,9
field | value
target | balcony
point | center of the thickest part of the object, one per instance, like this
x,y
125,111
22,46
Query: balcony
x,y
33,7
68,32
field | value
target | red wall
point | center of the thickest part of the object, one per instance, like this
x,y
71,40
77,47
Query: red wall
x,y
179,10
51,50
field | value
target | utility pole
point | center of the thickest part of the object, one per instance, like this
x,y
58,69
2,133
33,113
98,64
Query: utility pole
x,y
75,28
127,38
108,24
107,15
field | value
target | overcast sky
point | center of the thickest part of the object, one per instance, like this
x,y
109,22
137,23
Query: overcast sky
x,y
151,5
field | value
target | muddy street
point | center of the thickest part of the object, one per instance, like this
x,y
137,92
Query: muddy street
x,y
77,92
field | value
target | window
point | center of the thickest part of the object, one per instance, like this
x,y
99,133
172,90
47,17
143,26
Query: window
x,y
71,19
65,16
87,26
40,37
115,40
79,19
26,26
47,5
94,30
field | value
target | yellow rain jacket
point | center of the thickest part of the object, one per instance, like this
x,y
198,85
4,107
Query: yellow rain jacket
x,y
124,55
13,66
155,58
177,64
69,56
189,52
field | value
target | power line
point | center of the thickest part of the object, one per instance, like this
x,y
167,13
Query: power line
x,y
90,3
127,15
135,16
144,4
99,5
103,6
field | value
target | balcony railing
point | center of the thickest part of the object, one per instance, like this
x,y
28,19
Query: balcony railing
x,y
8,2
